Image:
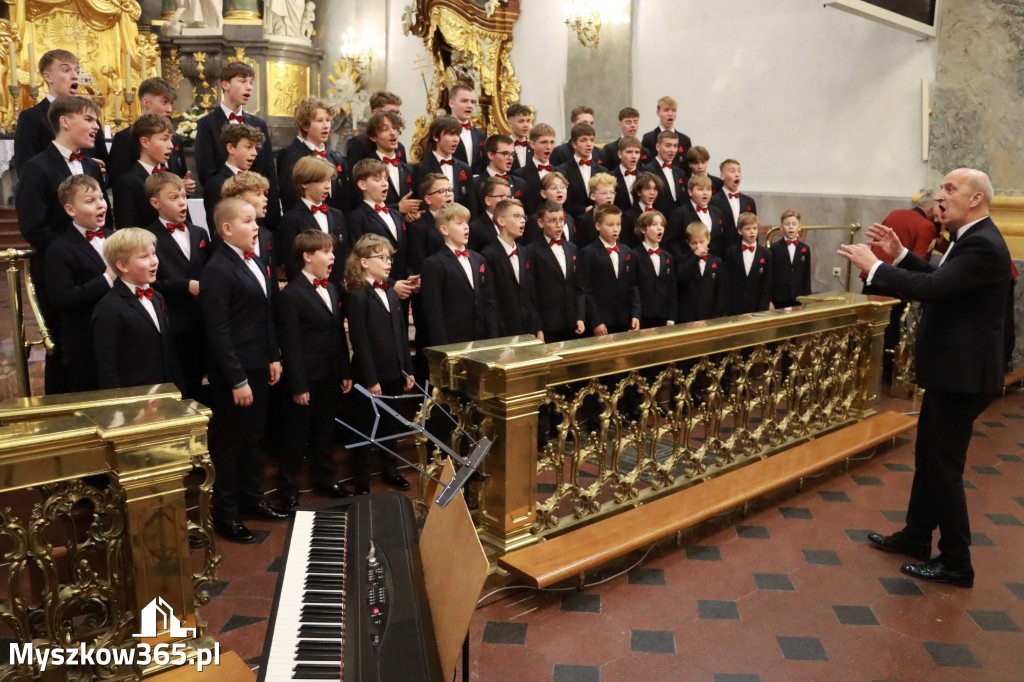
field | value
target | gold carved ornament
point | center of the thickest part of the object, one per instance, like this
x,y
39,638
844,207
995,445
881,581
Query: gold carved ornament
x,y
287,83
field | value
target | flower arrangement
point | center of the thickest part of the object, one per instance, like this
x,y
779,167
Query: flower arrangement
x,y
189,124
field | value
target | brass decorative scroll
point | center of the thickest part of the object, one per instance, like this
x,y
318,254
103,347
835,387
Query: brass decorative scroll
x,y
904,379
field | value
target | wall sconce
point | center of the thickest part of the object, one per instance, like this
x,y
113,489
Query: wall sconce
x,y
358,57
586,21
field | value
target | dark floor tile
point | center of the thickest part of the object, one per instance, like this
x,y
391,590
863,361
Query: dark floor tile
x,y
987,470
951,655
1011,415
575,673
646,576
981,540
855,615
795,513
773,581
652,641
978,434
833,496
802,648
995,424
715,609
277,565
895,515
857,534
969,484
821,557
500,632
581,602
260,535
1016,588
703,553
753,532
868,480
546,488
1010,458
997,621
254,662
215,588
898,466
1004,520
1019,500
587,474
236,621
904,587
729,677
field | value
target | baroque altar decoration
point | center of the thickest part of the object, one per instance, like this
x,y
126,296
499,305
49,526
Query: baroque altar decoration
x,y
469,42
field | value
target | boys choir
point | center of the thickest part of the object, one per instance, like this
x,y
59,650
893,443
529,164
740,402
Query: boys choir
x,y
486,236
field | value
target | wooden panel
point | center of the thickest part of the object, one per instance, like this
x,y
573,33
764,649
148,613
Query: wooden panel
x,y
231,669
567,555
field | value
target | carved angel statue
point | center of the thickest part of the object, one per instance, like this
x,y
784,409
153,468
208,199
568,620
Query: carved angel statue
x,y
202,13
284,17
308,17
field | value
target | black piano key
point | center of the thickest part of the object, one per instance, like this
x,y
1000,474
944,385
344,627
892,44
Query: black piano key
x,y
319,656
324,582
326,568
327,555
314,671
313,646
320,631
323,597
338,618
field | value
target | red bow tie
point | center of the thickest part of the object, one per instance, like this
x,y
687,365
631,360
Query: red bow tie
x,y
584,162
653,252
248,255
542,167
380,209
322,208
467,126
144,293
393,162
171,227
322,153
790,242
702,209
462,253
380,285
520,143
238,118
627,173
319,283
649,208
747,247
514,252
160,169
76,156
666,165
447,162
94,234
733,196
609,249
503,176
703,258
555,241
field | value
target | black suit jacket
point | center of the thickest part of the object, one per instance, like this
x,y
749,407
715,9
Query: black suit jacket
x,y
365,220
701,297
623,197
477,206
131,206
561,300
577,199
424,240
341,196
583,231
462,177
479,155
312,336
790,278
562,153
455,311
610,155
34,133
959,344
405,184
212,192
665,203
683,215
482,233
299,219
657,291
174,273
748,292
362,147
528,179
130,350
610,300
650,141
380,341
124,152
516,299
747,205
238,317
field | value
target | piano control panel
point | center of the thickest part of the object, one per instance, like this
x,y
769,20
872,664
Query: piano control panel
x,y
378,595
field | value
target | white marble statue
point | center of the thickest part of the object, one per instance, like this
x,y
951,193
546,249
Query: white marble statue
x,y
284,17
308,17
206,14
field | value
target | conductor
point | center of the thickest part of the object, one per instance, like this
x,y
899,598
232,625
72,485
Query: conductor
x,y
959,365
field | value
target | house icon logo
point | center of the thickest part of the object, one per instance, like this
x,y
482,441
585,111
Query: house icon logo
x,y
157,616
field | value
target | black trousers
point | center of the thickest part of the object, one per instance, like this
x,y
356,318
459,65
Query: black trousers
x,y
937,497
309,431
191,351
234,436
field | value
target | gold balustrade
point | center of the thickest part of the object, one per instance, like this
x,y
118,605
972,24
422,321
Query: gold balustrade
x,y
642,414
93,522
11,259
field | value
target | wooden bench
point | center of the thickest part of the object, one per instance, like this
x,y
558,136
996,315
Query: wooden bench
x,y
565,556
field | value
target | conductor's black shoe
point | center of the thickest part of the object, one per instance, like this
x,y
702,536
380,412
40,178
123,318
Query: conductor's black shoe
x,y
233,531
334,489
900,543
937,572
362,487
290,503
263,512
395,480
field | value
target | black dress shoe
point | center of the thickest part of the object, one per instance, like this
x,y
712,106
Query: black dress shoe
x,y
362,488
937,572
263,512
233,531
334,489
899,543
395,480
290,503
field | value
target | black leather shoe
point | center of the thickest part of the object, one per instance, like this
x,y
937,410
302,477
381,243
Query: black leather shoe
x,y
899,543
937,572
263,512
290,503
395,480
233,531
334,489
362,488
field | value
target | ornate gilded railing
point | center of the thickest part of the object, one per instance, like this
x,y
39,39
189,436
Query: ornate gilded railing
x,y
94,525
11,260
637,415
904,381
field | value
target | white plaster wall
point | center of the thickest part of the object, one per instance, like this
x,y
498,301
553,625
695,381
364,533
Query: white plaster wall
x,y
402,78
539,53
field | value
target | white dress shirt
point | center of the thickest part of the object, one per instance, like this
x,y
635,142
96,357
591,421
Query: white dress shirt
x,y
447,168
670,180
228,112
382,294
748,256
585,170
391,168
322,291
467,139
320,217
386,217
464,262
614,256
97,245
253,265
537,162
559,253
703,215
75,166
520,151
180,237
655,258
509,248
734,204
629,179
147,304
